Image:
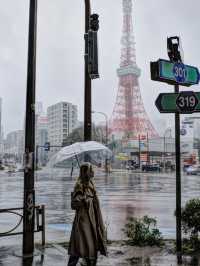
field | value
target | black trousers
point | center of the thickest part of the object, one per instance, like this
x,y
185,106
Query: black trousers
x,y
73,260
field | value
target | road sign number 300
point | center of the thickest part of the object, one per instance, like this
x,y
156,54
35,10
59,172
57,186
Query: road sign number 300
x,y
186,101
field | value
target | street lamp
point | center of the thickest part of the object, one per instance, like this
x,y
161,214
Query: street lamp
x,y
168,130
106,119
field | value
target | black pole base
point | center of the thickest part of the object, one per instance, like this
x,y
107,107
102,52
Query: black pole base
x,y
19,254
179,258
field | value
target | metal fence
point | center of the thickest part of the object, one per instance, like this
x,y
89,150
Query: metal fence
x,y
39,221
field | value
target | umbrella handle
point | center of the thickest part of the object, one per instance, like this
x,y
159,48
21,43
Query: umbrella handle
x,y
77,160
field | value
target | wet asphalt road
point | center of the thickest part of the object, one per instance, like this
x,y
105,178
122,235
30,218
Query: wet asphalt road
x,y
122,194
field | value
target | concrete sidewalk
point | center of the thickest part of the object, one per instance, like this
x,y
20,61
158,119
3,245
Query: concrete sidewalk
x,y
56,255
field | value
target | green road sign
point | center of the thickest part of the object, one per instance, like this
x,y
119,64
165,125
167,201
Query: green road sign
x,y
174,73
184,102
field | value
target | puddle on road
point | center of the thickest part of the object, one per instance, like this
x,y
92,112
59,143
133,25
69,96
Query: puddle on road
x,y
61,227
121,195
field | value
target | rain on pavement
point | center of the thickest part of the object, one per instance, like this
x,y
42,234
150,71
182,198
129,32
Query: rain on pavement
x,y
122,194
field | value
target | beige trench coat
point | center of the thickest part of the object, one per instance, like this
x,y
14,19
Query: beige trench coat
x,y
88,233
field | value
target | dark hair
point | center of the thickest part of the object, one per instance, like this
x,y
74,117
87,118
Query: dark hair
x,y
84,171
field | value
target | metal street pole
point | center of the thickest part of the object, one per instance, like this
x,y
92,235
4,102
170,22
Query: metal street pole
x,y
36,159
29,192
148,153
106,118
165,146
164,153
87,101
178,184
139,162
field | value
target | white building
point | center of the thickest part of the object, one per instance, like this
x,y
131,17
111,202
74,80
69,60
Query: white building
x,y
39,110
41,137
14,144
62,120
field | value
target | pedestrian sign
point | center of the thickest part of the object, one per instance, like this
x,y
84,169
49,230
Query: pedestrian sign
x,y
174,73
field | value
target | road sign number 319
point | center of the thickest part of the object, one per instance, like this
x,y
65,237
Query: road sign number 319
x,y
186,101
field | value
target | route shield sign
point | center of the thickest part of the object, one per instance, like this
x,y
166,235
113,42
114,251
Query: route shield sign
x,y
180,72
174,73
187,101
184,102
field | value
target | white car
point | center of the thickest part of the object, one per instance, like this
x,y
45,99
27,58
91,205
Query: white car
x,y
193,170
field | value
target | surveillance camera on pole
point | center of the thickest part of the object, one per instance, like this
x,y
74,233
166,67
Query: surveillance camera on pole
x,y
173,49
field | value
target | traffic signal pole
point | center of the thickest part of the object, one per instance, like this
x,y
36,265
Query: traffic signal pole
x,y
29,192
87,96
91,65
178,184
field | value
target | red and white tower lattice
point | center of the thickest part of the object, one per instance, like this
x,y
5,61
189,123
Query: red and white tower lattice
x,y
129,118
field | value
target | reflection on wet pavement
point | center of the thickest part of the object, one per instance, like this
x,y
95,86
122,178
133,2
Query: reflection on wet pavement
x,y
56,255
122,194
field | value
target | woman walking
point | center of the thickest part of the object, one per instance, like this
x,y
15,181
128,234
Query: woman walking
x,y
88,233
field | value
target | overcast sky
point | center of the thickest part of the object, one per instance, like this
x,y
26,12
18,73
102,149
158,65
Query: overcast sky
x,y
60,61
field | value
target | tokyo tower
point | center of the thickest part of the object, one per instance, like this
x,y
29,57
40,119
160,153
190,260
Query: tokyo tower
x,y
129,118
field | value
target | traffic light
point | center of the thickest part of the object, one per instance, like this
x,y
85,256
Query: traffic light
x,y
92,40
93,54
94,22
47,146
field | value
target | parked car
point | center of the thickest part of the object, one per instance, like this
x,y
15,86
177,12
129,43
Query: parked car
x,y
185,166
193,170
131,165
151,167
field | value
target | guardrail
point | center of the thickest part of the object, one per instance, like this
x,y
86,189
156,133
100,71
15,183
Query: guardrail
x,y
39,225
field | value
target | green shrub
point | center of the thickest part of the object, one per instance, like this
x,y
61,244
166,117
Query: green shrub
x,y
191,221
142,231
191,216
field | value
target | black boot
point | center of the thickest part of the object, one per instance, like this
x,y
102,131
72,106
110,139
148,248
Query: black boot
x,y
73,260
91,262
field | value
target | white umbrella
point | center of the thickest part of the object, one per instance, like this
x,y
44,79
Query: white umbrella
x,y
78,148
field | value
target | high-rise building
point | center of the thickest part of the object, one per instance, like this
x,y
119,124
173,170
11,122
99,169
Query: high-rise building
x,y
39,109
41,137
14,144
62,120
